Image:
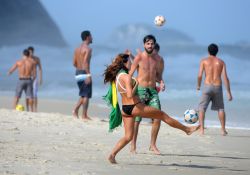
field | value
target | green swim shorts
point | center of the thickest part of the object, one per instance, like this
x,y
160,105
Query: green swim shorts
x,y
149,97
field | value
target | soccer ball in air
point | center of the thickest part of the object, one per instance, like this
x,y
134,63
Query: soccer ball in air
x,y
191,116
19,107
159,20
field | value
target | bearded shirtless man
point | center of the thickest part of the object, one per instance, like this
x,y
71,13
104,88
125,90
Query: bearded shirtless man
x,y
147,63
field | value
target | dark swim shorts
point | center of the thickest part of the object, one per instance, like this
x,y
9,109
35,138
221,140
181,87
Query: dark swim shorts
x,y
85,90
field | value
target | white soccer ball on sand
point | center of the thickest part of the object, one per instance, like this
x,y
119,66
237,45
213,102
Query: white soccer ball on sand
x,y
159,20
191,116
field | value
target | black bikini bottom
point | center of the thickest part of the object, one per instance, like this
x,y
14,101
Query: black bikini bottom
x,y
127,109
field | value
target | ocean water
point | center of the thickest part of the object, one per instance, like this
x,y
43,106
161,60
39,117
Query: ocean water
x,y
180,76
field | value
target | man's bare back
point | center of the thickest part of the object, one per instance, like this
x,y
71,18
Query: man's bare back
x,y
82,57
215,70
26,68
213,67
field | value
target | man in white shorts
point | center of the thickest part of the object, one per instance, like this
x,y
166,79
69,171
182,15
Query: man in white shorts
x,y
36,81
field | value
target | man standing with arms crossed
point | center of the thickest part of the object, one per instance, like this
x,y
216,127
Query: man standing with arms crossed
x,y
147,64
214,68
35,81
81,62
26,72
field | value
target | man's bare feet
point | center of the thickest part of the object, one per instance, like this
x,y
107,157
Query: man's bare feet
x,y
133,151
75,114
155,150
224,133
111,159
86,118
192,129
201,132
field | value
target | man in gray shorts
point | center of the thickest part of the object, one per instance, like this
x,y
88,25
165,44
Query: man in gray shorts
x,y
214,69
214,94
24,84
26,70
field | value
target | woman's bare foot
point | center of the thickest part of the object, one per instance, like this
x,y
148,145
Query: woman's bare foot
x,y
155,150
75,114
111,159
192,129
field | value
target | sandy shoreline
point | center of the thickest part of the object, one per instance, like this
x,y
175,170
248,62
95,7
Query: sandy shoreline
x,y
58,106
56,143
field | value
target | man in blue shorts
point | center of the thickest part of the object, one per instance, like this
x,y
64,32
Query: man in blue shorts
x,y
81,62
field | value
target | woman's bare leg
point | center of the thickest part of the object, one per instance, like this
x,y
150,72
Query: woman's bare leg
x,y
129,132
150,112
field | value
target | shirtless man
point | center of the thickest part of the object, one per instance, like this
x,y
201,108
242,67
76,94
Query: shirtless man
x,y
147,64
214,69
160,68
36,82
81,62
26,71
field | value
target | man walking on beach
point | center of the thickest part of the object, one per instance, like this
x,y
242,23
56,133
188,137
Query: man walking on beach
x,y
147,64
214,68
26,71
81,61
35,81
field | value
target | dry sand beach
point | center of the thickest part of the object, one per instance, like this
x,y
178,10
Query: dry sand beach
x,y
56,143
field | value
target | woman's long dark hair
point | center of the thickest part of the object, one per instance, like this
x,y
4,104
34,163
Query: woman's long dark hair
x,y
112,70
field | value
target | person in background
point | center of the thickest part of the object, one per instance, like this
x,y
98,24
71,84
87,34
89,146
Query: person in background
x,y
81,62
214,68
37,81
27,73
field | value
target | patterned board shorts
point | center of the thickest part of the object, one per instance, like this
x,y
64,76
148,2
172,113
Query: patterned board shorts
x,y
149,97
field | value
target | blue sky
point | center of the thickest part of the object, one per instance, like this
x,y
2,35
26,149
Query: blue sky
x,y
206,21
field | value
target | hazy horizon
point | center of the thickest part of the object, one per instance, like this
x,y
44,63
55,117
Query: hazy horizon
x,y
207,21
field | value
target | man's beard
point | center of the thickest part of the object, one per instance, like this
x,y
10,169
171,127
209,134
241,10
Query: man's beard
x,y
149,51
